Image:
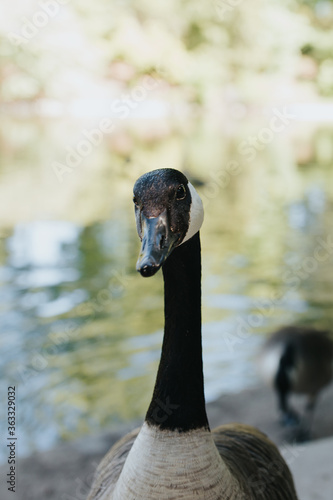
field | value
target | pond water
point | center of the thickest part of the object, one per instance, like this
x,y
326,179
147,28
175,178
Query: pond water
x,y
81,331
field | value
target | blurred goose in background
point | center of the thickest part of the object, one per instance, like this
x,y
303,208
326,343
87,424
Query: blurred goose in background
x,y
174,455
297,360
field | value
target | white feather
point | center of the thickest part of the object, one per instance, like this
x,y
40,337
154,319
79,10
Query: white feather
x,y
168,465
196,214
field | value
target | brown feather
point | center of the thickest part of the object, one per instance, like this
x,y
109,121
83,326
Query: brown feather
x,y
256,462
250,456
108,471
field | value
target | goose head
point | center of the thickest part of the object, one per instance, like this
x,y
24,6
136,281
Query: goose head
x,y
168,212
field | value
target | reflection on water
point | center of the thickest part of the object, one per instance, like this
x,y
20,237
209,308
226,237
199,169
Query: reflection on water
x,y
81,331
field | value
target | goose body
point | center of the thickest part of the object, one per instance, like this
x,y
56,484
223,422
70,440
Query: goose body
x,y
174,455
297,360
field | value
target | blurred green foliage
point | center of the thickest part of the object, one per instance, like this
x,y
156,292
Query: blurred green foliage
x,y
197,46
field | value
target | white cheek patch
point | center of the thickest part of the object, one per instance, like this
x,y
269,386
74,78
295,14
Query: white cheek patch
x,y
196,214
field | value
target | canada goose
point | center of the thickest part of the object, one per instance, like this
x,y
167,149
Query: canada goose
x,y
300,360
174,455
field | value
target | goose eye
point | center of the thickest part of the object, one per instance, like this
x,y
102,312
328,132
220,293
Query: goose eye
x,y
181,192
135,201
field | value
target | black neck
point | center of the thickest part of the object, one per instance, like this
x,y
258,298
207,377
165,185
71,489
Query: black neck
x,y
178,400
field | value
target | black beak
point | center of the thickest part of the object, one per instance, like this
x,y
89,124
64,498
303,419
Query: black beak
x,y
157,244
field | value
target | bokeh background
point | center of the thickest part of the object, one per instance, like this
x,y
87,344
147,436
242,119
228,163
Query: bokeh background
x,y
238,95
